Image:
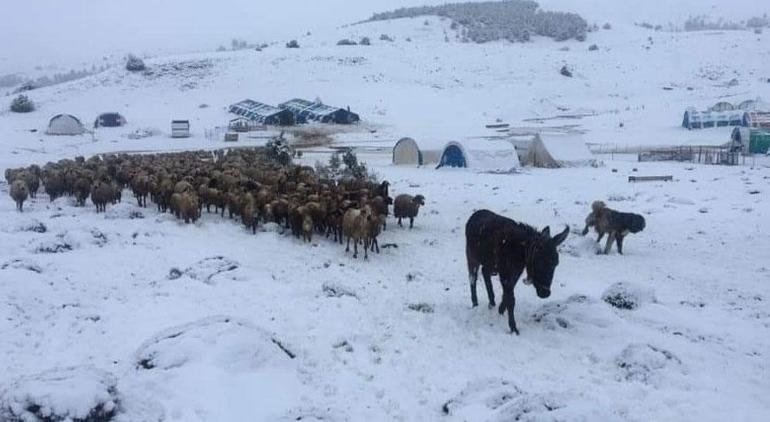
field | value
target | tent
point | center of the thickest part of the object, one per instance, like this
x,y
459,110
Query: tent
x,y
407,152
308,111
65,124
488,156
750,140
694,119
756,119
262,113
553,150
109,120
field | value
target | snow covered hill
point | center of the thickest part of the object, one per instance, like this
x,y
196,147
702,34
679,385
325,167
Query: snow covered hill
x,y
132,315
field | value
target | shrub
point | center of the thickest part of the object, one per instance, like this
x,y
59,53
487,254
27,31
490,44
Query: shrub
x,y
565,71
607,26
134,64
593,47
292,44
22,104
365,41
279,151
386,37
346,41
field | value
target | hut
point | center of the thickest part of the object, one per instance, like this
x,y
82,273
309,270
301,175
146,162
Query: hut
x,y
180,128
109,120
480,155
65,124
694,119
554,150
756,119
262,113
305,111
750,140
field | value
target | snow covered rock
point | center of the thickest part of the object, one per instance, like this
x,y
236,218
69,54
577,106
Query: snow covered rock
x,y
643,363
122,211
206,269
628,296
501,400
62,242
82,394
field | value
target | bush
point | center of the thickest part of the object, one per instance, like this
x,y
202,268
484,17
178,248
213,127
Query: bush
x,y
386,37
134,64
346,41
292,44
593,47
22,104
279,151
565,71
365,41
607,26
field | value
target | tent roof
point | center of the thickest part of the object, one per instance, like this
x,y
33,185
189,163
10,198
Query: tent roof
x,y
253,109
567,149
300,105
482,154
63,115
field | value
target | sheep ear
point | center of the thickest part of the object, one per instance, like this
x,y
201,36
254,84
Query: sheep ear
x,y
546,233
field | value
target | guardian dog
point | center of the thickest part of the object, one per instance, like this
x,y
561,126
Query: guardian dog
x,y
617,225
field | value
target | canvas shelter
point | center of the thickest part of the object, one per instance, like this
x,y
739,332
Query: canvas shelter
x,y
756,119
309,111
481,155
262,113
554,150
750,140
110,120
65,124
180,128
694,119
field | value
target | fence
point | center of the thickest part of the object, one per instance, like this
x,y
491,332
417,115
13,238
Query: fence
x,y
694,154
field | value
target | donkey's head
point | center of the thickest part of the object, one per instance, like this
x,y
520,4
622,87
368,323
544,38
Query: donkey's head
x,y
542,259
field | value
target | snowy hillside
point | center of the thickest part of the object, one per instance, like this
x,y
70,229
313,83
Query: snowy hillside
x,y
132,315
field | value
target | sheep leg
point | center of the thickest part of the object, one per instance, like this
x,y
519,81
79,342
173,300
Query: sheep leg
x,y
411,222
347,248
355,248
399,222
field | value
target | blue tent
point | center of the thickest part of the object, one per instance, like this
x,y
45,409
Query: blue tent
x,y
453,156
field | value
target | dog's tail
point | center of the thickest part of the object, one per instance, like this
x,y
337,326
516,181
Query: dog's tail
x,y
636,224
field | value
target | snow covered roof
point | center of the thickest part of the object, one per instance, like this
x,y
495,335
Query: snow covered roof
x,y
306,110
253,110
756,119
482,154
694,119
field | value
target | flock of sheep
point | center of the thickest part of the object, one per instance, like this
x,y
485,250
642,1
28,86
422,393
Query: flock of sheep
x,y
241,183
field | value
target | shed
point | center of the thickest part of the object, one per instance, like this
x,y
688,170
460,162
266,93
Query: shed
x,y
756,119
750,140
262,113
65,124
553,150
694,119
305,111
722,106
110,120
180,128
482,155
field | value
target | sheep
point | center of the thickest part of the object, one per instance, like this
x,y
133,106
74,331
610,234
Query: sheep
x,y
53,181
374,225
406,206
19,193
141,186
307,228
188,207
248,212
354,226
82,188
101,194
380,208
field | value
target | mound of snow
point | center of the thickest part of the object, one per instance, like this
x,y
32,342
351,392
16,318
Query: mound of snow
x,y
206,269
73,394
628,296
644,362
122,211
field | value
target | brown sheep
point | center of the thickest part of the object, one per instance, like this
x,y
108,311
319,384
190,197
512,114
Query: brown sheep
x,y
354,226
374,226
53,182
307,228
82,189
19,193
380,208
188,207
407,206
101,194
141,186
249,212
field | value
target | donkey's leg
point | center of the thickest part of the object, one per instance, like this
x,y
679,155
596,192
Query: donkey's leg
x,y
510,303
610,240
487,274
473,274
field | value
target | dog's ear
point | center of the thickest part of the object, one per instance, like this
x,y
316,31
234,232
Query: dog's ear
x,y
559,238
546,233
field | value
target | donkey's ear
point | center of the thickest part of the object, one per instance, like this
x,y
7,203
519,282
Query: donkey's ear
x,y
546,233
559,238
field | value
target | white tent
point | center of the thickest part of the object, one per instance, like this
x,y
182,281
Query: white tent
x,y
553,150
408,152
479,154
65,124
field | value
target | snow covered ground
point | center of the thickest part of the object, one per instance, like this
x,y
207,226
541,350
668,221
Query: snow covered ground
x,y
136,315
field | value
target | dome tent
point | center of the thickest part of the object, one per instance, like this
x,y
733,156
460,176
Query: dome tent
x,y
488,156
554,150
65,124
407,152
110,120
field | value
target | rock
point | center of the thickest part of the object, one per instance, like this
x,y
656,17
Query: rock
x,y
565,71
641,362
206,269
337,290
81,394
627,296
421,307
